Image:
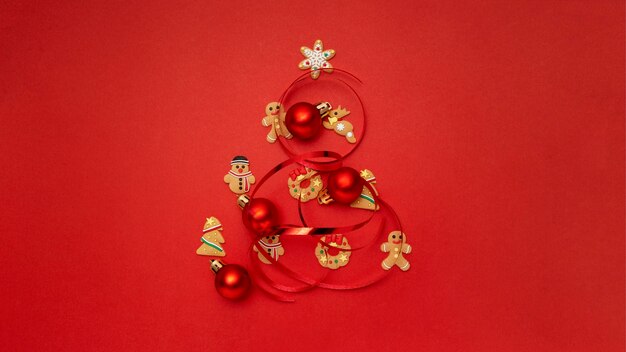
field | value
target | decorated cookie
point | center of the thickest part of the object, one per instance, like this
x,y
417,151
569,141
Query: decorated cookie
x,y
239,178
272,246
330,254
304,184
396,245
316,59
341,127
366,199
212,239
275,119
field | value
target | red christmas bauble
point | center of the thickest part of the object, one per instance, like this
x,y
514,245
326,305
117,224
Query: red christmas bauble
x,y
260,215
345,185
303,120
232,281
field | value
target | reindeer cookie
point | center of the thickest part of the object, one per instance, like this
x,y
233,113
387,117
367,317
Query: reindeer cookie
x,y
271,245
239,178
341,127
396,245
275,119
212,239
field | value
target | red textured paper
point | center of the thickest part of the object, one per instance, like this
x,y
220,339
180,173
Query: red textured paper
x,y
496,132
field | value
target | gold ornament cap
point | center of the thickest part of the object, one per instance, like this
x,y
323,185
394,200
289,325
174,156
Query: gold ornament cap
x,y
324,107
216,265
324,197
243,200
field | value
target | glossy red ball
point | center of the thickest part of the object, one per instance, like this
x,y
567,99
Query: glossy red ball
x,y
303,120
260,215
345,185
232,282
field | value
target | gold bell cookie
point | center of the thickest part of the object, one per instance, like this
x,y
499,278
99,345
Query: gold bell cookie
x,y
333,121
272,246
275,119
239,177
212,239
316,59
304,184
396,245
330,254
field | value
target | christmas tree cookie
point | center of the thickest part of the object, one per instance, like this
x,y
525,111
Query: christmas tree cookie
x,y
212,239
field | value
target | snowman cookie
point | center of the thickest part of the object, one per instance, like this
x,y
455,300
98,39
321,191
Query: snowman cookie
x,y
396,245
239,178
212,239
272,246
275,119
341,127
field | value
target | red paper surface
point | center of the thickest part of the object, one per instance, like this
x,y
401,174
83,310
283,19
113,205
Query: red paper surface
x,y
496,130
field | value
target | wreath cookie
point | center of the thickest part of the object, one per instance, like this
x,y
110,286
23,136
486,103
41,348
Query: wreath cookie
x,y
330,254
304,184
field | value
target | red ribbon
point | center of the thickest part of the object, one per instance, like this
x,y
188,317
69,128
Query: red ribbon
x,y
305,159
306,231
309,232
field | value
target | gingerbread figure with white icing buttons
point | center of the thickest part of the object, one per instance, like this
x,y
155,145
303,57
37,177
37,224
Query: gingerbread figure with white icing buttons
x,y
396,246
272,246
275,119
239,178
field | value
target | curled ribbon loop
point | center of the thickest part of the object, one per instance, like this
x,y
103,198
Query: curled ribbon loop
x,y
333,161
305,159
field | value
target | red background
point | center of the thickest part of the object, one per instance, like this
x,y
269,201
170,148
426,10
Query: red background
x,y
496,131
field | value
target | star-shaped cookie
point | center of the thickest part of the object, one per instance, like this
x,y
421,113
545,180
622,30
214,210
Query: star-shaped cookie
x,y
316,59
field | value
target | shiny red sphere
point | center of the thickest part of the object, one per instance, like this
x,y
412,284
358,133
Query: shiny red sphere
x,y
232,282
345,185
303,120
260,215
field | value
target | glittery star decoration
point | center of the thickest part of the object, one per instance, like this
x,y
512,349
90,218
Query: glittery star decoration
x,y
316,59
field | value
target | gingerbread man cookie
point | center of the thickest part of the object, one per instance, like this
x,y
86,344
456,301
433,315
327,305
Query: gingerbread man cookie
x,y
271,245
341,127
239,178
396,245
275,119
330,254
304,184
212,239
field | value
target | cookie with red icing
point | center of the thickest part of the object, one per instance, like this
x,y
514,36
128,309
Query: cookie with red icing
x,y
333,252
304,184
270,245
239,177
396,246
